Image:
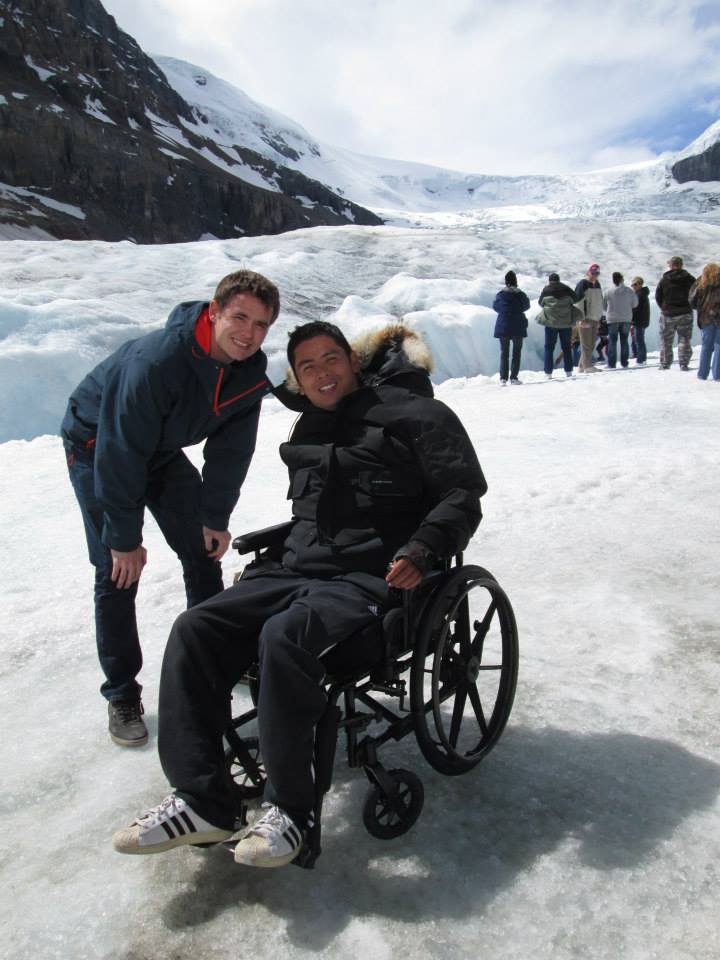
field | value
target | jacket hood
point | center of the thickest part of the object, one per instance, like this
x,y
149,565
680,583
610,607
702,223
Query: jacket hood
x,y
395,355
183,319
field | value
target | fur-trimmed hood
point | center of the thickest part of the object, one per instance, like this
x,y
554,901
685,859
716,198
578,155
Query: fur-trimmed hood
x,y
395,355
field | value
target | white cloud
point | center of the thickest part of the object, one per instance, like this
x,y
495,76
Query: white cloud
x,y
513,88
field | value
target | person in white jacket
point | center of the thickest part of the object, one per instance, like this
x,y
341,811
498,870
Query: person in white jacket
x,y
588,296
619,303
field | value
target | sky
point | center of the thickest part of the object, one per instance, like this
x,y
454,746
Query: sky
x,y
513,88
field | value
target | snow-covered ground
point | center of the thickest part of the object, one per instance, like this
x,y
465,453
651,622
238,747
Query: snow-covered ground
x,y
593,829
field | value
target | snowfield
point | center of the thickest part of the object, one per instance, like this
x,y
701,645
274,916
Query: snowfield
x,y
592,830
66,305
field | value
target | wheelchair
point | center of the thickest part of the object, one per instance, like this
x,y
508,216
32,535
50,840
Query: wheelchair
x,y
447,653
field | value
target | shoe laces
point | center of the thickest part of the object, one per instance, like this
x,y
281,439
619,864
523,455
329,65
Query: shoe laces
x,y
129,711
169,807
271,823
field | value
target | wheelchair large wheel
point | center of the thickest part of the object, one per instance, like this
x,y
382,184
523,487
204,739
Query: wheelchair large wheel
x,y
464,670
386,818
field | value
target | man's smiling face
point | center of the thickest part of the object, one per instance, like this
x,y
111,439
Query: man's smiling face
x,y
238,328
324,371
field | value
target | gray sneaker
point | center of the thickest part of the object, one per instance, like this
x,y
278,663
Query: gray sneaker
x,y
125,723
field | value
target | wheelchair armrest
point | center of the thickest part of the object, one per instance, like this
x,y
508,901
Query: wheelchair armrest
x,y
258,540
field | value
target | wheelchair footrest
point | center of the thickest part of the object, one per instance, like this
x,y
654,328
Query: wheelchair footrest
x,y
307,857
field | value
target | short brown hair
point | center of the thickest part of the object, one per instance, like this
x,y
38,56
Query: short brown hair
x,y
247,281
675,262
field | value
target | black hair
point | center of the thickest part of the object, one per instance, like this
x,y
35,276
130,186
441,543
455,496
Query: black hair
x,y
617,278
316,328
511,278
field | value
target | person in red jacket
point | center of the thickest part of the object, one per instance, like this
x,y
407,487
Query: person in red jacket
x,y
200,378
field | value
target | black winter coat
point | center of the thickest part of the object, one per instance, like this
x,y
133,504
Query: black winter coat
x,y
388,466
556,289
510,305
672,292
641,313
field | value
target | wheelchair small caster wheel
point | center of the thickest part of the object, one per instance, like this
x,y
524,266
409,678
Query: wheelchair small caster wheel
x,y
386,817
242,784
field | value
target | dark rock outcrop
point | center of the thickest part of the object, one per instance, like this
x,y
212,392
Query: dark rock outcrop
x,y
95,144
703,166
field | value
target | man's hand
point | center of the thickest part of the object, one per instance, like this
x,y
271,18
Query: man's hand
x,y
216,542
403,574
127,566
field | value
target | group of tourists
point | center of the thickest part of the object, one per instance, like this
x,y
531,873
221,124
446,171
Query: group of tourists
x,y
588,321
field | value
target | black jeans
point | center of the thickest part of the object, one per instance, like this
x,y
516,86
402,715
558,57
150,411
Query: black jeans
x,y
517,343
173,498
551,338
287,621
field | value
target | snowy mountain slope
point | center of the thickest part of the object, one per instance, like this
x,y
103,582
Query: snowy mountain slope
x,y
708,138
396,189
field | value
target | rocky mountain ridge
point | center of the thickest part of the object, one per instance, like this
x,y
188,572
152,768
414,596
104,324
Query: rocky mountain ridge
x,y
96,144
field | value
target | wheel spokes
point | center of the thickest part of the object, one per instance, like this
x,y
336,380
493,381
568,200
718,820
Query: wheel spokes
x,y
458,710
477,707
481,630
392,810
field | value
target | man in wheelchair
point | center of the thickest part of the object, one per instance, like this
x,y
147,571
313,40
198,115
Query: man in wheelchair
x,y
384,482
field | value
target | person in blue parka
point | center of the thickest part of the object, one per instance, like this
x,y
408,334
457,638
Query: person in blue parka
x,y
200,378
511,326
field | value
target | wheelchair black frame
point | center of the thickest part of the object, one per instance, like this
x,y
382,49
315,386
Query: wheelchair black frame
x,y
386,678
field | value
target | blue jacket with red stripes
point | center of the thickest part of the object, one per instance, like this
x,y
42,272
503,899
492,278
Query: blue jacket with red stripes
x,y
154,396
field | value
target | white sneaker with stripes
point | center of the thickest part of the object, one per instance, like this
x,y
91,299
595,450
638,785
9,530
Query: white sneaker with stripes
x,y
272,841
172,823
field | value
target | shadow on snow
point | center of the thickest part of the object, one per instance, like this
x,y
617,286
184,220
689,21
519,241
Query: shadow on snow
x,y
616,796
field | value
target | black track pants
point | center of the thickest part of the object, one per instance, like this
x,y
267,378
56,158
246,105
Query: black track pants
x,y
286,620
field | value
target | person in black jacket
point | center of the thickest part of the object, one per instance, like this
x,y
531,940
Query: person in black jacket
x,y
640,320
671,295
511,326
383,480
200,378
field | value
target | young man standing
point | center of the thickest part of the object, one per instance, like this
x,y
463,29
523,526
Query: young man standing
x,y
619,304
671,295
200,378
383,478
